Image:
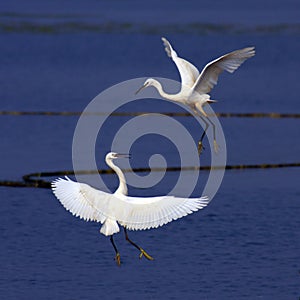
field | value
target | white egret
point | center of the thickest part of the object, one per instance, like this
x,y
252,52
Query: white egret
x,y
195,86
133,213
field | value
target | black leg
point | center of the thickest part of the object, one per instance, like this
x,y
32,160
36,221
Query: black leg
x,y
200,144
216,147
143,252
117,257
213,125
206,127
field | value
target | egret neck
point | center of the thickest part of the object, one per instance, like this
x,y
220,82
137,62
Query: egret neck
x,y
122,189
172,97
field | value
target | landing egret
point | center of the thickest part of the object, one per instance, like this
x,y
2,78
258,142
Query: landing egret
x,y
195,86
133,213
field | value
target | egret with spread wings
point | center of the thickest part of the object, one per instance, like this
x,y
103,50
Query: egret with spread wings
x,y
112,210
195,86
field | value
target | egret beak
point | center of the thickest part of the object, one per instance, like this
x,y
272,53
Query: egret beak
x,y
141,88
122,155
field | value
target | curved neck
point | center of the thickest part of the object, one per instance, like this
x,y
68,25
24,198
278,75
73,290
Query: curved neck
x,y
173,97
122,189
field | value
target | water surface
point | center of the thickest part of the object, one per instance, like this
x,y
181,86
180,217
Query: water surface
x,y
244,245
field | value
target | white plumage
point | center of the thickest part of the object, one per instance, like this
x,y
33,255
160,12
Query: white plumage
x,y
135,213
204,82
195,86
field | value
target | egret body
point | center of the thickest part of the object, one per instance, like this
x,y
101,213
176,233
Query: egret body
x,y
112,210
195,86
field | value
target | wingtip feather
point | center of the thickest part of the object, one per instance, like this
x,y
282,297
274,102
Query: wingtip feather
x,y
168,47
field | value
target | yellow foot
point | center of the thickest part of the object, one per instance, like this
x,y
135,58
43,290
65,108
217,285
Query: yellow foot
x,y
144,253
200,147
118,259
216,147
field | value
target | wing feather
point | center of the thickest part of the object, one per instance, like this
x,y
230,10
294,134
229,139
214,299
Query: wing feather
x,y
135,213
82,200
188,72
228,62
161,209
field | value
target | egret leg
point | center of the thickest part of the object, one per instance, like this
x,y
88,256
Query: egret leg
x,y
216,146
117,257
200,143
143,252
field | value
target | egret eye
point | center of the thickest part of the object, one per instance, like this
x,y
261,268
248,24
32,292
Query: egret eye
x,y
145,212
141,213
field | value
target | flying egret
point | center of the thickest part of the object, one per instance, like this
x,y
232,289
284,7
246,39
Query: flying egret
x,y
133,213
195,86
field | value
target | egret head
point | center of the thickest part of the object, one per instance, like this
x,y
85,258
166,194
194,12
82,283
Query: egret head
x,y
113,155
148,82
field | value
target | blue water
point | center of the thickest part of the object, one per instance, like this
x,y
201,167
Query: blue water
x,y
244,245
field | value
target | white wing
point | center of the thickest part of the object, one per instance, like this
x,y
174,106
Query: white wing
x,y
229,62
134,213
152,212
188,72
81,200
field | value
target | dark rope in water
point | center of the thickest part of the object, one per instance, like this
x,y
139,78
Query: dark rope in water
x,y
32,180
272,115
